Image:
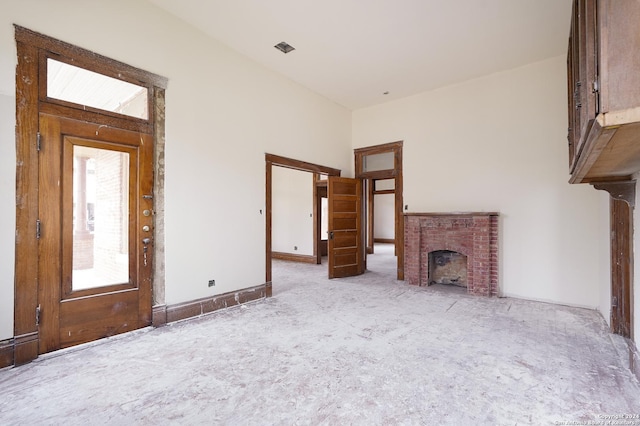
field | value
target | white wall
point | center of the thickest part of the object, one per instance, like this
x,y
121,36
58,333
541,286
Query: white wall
x,y
384,216
292,209
223,112
7,212
498,143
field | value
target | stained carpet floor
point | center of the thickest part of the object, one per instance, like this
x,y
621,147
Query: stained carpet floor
x,y
367,350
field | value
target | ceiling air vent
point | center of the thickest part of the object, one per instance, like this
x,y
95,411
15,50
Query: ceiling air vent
x,y
284,47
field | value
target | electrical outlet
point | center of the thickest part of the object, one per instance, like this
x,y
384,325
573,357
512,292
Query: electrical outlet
x,y
212,283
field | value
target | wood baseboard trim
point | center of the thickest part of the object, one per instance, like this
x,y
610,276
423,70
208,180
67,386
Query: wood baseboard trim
x,y
384,240
25,348
159,315
304,258
199,307
7,351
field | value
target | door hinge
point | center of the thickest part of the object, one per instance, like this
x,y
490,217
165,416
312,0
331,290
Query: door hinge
x,y
38,311
38,141
38,229
614,302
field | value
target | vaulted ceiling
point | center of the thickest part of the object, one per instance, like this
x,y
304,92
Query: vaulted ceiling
x,y
353,51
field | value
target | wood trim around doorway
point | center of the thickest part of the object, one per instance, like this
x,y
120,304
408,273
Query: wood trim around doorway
x,y
396,173
622,196
319,187
621,267
276,160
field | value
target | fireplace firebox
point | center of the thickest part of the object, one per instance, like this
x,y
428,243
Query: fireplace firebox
x,y
447,267
449,239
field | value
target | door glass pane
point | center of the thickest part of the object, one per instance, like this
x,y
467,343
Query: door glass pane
x,y
100,217
80,86
384,184
375,162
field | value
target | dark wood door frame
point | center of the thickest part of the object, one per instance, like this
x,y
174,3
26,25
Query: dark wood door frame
x,y
622,202
272,160
31,99
621,266
370,185
319,192
396,174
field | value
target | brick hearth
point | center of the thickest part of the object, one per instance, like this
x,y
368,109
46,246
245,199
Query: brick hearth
x,y
474,235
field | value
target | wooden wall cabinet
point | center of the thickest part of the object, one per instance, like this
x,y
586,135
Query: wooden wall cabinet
x,y
603,68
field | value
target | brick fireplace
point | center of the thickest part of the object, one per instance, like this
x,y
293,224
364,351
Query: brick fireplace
x,y
474,235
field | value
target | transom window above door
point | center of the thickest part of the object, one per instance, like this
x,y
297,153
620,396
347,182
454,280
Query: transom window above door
x,y
83,87
377,162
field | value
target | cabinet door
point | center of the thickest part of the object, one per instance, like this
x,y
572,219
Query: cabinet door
x,y
582,72
588,65
572,131
619,53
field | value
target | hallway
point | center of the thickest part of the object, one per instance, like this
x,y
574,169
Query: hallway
x,y
364,350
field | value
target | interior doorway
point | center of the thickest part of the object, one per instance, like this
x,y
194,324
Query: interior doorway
x,y
345,248
321,223
316,170
381,213
380,168
293,217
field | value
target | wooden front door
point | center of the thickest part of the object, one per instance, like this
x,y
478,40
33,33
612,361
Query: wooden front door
x,y
95,231
346,245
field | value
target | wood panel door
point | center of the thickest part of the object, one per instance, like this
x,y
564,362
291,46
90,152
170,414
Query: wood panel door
x,y
346,244
95,231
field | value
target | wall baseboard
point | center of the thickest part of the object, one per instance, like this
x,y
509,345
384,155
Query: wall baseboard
x,y
7,350
164,314
304,258
384,240
159,315
24,348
